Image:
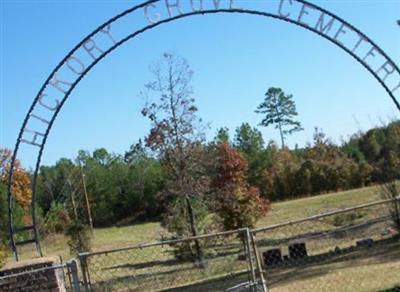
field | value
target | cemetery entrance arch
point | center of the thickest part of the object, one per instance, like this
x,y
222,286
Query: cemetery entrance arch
x,y
109,36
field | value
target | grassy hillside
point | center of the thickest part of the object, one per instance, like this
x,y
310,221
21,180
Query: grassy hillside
x,y
117,237
304,207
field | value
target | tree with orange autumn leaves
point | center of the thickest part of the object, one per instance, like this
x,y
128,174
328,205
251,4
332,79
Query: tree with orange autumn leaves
x,y
21,184
21,189
236,202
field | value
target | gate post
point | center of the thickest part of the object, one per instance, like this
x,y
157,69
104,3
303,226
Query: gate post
x,y
258,262
73,268
84,271
246,235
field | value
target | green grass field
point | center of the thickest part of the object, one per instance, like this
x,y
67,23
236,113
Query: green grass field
x,y
304,207
356,270
117,237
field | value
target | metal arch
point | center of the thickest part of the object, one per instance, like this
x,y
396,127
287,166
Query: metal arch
x,y
381,51
132,35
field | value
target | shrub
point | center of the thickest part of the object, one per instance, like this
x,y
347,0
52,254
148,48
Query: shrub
x,y
345,218
235,201
391,191
177,222
79,237
56,220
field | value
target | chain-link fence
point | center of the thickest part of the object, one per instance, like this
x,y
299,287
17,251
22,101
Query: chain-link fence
x,y
59,277
354,249
212,262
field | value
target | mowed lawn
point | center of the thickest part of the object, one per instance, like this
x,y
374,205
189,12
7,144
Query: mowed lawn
x,y
117,237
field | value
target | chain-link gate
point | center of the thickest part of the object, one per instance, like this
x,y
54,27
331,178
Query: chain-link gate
x,y
225,261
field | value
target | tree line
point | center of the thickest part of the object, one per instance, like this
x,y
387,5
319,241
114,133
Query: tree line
x,y
192,185
129,188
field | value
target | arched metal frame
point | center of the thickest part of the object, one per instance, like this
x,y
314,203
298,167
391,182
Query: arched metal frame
x,y
116,44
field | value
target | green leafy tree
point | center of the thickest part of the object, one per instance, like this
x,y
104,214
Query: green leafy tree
x,y
392,137
222,136
249,141
79,237
145,181
54,183
370,145
120,190
279,109
106,177
352,149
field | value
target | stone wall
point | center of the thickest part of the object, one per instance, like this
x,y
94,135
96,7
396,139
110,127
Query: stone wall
x,y
20,276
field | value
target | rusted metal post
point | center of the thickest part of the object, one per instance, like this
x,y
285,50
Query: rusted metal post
x,y
246,232
259,265
74,273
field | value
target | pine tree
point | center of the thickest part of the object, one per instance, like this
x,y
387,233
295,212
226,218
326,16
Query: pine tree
x,y
279,109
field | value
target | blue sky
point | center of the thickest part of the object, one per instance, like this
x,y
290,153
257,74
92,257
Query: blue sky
x,y
236,58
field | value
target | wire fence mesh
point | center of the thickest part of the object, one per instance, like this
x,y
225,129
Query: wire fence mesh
x,y
213,262
356,249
